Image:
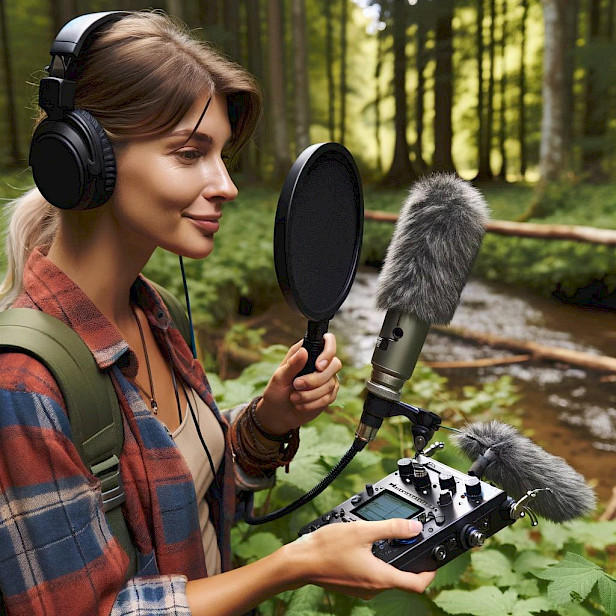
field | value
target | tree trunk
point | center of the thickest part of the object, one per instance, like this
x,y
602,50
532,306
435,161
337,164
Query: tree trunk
x,y
422,61
12,120
595,100
231,17
329,63
443,88
300,61
282,159
522,92
401,172
176,8
559,20
490,106
255,66
377,100
502,125
484,172
62,11
343,66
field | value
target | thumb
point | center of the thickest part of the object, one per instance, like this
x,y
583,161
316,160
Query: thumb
x,y
396,528
293,365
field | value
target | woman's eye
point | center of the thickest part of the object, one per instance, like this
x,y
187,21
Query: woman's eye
x,y
189,155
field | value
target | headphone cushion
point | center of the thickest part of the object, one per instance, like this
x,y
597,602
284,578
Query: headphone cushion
x,y
103,156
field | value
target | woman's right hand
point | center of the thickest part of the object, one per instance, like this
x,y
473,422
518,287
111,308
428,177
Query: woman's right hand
x,y
339,557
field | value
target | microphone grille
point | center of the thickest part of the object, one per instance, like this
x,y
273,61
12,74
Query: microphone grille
x,y
437,237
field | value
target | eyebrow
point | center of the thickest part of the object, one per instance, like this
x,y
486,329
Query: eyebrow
x,y
191,134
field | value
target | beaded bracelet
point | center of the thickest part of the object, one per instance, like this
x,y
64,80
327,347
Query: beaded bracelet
x,y
277,438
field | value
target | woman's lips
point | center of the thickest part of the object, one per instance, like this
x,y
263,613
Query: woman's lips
x,y
209,226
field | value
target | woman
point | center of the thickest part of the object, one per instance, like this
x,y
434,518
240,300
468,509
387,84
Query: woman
x,y
173,111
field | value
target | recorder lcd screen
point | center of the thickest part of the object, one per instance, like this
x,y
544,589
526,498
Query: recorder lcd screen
x,y
386,506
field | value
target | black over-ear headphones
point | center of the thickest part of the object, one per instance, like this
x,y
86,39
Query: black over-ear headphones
x,y
71,156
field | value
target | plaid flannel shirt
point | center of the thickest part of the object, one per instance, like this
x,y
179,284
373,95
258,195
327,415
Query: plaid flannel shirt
x,y
57,554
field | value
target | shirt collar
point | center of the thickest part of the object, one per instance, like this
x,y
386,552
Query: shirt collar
x,y
53,292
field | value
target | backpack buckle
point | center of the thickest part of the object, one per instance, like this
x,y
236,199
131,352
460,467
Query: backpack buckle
x,y
108,471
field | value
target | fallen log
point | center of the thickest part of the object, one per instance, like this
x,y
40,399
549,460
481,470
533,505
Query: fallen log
x,y
600,363
576,233
479,363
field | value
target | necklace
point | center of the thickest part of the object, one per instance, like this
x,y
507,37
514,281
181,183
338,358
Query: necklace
x,y
152,395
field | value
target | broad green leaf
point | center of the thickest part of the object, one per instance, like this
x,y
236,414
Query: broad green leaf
x,y
516,535
607,593
450,573
494,566
397,602
484,601
527,587
573,576
363,610
526,607
257,546
304,473
532,560
593,534
305,600
555,534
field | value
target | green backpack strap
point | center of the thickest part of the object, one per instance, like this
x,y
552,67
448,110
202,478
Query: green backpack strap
x,y
91,403
177,312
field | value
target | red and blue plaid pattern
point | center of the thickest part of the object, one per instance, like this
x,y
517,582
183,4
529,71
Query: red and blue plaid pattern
x,y
57,555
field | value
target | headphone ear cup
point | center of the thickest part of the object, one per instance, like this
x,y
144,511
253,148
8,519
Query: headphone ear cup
x,y
72,161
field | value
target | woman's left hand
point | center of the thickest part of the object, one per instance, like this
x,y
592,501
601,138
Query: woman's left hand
x,y
289,401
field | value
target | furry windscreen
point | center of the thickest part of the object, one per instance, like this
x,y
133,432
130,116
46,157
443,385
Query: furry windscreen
x,y
522,465
436,239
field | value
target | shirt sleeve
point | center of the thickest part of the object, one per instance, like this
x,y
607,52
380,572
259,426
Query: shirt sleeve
x,y
57,553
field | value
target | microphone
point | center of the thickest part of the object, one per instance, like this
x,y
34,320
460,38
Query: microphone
x,y
437,237
518,465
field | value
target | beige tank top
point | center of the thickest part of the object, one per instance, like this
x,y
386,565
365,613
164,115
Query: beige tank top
x,y
187,440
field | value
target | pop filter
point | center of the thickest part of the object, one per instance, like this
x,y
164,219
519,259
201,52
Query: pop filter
x,y
317,237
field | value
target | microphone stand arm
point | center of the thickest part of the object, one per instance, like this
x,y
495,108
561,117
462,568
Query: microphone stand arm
x,y
376,408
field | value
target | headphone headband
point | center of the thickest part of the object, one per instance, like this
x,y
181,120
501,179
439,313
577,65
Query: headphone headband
x,y
75,33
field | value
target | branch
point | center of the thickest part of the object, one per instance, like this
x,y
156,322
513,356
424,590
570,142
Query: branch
x,y
576,233
600,363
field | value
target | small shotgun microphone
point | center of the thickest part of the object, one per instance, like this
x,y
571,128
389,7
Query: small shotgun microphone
x,y
518,465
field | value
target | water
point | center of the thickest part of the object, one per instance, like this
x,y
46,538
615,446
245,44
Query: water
x,y
571,411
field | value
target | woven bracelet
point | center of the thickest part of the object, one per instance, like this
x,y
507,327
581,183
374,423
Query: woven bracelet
x,y
277,438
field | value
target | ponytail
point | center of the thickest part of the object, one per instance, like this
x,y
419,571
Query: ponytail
x,y
33,222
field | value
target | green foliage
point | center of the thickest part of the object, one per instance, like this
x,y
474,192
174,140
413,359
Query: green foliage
x,y
521,571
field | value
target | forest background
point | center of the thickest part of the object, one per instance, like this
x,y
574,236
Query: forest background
x,y
517,96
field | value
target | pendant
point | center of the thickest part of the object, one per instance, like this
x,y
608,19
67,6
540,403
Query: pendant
x,y
154,406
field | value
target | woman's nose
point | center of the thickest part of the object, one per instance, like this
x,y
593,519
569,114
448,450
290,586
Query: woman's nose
x,y
219,184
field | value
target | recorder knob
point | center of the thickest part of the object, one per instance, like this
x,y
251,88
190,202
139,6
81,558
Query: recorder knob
x,y
405,468
421,479
473,487
447,482
445,499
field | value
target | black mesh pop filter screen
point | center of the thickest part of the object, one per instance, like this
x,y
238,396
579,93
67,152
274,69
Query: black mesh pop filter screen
x,y
319,226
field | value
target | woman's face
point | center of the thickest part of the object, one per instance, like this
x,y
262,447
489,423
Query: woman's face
x,y
170,191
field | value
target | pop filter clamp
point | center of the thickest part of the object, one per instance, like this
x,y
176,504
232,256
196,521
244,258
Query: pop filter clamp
x,y
318,233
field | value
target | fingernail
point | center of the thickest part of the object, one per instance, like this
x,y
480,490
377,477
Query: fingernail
x,y
295,397
322,364
299,385
415,526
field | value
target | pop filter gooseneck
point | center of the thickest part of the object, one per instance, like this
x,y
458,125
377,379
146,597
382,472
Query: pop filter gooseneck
x,y
317,241
317,237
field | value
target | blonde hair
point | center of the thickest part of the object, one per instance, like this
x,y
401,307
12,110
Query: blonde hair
x,y
138,78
